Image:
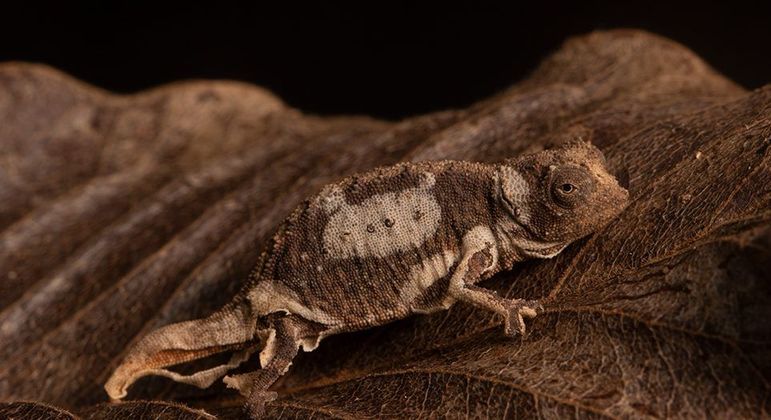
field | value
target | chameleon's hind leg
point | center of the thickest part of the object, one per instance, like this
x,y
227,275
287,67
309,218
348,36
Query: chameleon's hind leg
x,y
283,338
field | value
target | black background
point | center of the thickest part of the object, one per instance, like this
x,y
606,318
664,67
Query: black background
x,y
386,59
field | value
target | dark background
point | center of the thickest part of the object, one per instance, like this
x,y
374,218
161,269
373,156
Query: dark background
x,y
387,59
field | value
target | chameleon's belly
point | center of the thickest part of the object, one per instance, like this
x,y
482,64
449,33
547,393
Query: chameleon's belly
x,y
360,293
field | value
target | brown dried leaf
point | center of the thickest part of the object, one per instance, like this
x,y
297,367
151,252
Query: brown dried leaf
x,y
157,410
124,213
33,411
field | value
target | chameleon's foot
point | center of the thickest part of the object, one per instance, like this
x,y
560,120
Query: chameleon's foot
x,y
518,309
255,404
248,385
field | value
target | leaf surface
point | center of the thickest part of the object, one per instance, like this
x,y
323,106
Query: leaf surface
x,y
121,214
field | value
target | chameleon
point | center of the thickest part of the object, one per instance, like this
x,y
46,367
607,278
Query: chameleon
x,y
411,238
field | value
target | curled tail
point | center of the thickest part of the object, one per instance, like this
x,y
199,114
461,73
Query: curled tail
x,y
232,328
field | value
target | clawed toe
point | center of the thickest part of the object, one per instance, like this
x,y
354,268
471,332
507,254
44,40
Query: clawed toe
x,y
517,311
514,325
256,402
531,308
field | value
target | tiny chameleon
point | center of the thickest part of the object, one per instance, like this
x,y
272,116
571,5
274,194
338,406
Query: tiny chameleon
x,y
410,238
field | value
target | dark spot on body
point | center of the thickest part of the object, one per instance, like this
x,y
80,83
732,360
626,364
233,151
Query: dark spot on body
x,y
478,262
388,222
371,228
417,215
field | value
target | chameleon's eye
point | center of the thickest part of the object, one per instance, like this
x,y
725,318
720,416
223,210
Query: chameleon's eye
x,y
567,188
570,186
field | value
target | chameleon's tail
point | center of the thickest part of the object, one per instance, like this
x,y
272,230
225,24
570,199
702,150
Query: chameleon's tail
x,y
230,329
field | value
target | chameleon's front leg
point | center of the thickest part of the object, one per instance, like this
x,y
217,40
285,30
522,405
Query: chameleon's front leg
x,y
463,288
280,349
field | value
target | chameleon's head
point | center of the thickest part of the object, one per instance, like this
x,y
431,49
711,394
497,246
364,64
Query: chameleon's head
x,y
559,195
